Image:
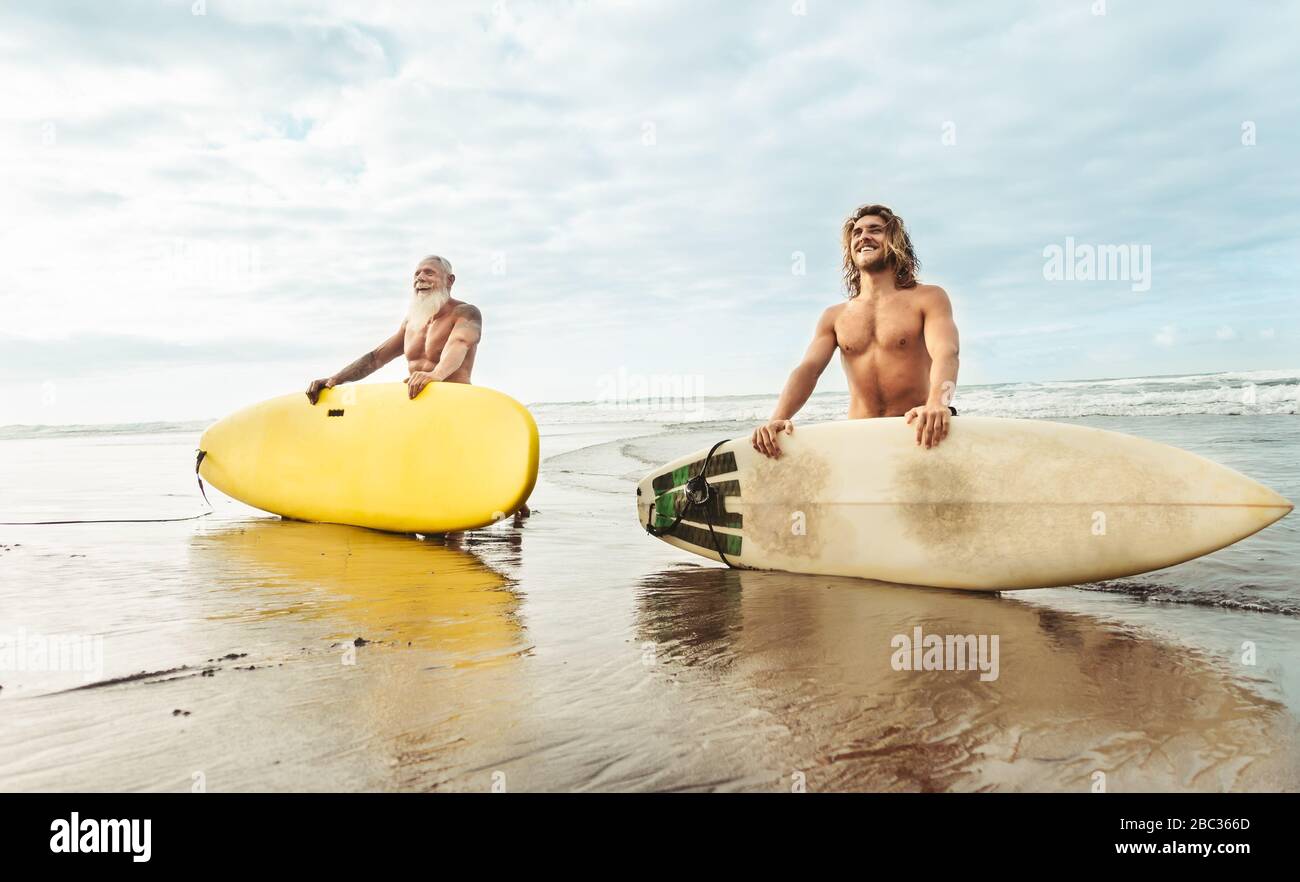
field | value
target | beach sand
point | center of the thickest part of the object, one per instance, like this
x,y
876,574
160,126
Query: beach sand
x,y
242,652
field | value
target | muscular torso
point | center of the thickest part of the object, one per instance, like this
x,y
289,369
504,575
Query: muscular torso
x,y
423,345
882,348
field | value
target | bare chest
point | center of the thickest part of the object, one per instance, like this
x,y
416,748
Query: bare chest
x,y
426,341
893,325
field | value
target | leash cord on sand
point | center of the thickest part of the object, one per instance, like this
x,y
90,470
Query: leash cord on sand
x,y
107,521
696,495
198,462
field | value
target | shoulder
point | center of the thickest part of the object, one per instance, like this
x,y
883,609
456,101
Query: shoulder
x,y
931,295
930,292
831,313
826,321
467,312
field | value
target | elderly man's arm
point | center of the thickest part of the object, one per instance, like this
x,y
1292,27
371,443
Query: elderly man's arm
x,y
363,366
464,336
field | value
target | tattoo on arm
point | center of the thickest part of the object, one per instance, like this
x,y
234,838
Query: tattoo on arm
x,y
468,315
464,336
362,367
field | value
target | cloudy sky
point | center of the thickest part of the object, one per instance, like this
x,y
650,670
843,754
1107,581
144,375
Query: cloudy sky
x,y
204,210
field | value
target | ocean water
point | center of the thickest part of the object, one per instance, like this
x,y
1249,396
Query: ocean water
x,y
576,653
1247,393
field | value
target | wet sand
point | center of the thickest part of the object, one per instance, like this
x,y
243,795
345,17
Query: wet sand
x,y
575,653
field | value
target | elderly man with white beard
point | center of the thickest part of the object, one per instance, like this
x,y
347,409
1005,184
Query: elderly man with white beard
x,y
439,337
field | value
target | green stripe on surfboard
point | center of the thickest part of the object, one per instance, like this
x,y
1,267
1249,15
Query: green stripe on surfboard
x,y
700,538
721,464
714,510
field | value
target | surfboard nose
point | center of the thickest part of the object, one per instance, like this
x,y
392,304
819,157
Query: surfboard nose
x,y
1283,506
1272,506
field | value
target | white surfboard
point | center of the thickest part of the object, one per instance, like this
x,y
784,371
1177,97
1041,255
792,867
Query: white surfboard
x,y
1000,504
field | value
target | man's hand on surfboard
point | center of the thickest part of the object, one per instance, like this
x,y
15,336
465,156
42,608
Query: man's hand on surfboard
x,y
416,382
314,390
764,437
931,423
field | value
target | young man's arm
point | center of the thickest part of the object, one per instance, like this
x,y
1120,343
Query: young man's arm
x,y
802,382
363,366
933,417
464,336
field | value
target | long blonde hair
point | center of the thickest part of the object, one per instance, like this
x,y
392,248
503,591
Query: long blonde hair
x,y
898,249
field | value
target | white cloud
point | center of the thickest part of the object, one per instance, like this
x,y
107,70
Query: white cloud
x,y
149,151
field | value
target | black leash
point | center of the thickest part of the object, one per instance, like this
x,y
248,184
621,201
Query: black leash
x,y
106,521
696,494
198,462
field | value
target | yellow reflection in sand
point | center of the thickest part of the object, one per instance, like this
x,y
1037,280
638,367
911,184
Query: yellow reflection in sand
x,y
431,594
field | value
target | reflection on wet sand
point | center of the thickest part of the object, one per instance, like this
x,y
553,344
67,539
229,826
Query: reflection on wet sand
x,y
434,594
490,666
436,677
1074,695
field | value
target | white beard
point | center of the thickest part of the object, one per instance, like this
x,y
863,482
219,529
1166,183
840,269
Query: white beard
x,y
425,305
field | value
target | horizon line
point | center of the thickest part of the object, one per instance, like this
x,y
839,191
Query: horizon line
x,y
210,420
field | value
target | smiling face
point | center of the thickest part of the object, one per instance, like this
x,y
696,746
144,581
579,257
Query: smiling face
x,y
431,276
867,243
875,240
430,291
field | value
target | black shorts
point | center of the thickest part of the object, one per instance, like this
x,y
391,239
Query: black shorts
x,y
953,409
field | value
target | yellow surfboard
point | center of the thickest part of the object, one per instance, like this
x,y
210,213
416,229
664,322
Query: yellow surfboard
x,y
454,458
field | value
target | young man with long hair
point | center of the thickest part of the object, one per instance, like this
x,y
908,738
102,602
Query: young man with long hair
x,y
896,337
